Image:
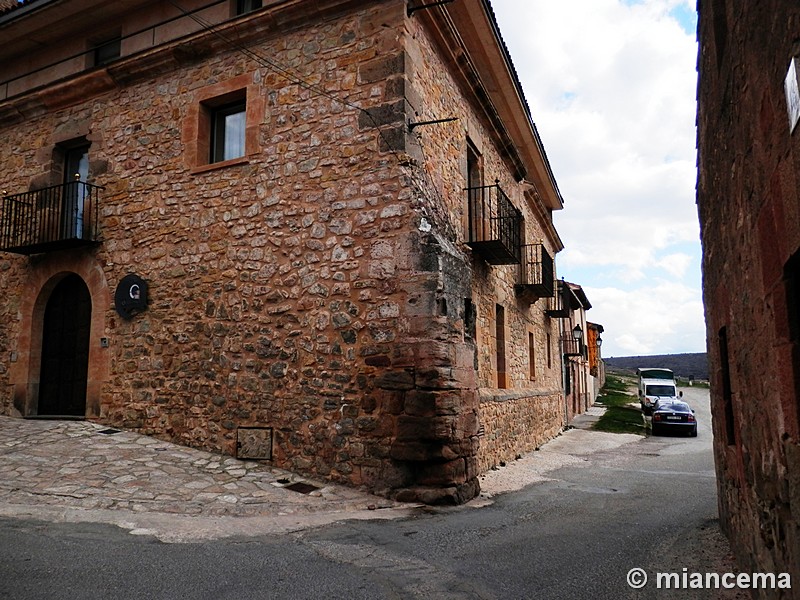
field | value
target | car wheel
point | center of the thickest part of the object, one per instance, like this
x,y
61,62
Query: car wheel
x,y
694,432
653,430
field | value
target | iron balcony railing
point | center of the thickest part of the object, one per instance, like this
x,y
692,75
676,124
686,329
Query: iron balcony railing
x,y
495,225
572,347
536,273
52,218
560,304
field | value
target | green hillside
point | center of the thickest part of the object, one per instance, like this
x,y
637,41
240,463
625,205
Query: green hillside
x,y
683,365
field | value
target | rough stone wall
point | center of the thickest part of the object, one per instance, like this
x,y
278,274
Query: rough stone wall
x,y
517,423
533,405
317,285
295,288
749,207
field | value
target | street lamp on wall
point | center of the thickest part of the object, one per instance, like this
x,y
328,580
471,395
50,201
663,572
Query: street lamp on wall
x,y
577,333
599,341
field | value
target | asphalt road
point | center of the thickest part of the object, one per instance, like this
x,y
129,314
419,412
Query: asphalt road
x,y
650,504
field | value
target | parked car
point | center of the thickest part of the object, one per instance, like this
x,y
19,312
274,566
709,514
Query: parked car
x,y
672,414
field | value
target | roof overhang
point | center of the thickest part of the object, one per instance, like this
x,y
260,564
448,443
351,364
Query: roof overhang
x,y
39,23
580,296
480,34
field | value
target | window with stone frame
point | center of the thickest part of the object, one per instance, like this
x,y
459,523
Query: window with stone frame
x,y
500,340
531,356
221,126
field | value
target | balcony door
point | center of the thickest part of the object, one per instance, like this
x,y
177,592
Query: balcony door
x,y
475,209
65,349
76,170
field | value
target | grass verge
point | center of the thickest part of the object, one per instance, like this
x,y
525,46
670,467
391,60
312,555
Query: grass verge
x,y
619,417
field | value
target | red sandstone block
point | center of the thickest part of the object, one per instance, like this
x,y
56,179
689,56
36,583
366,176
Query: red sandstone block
x,y
415,428
415,450
435,378
380,360
448,473
448,403
381,68
395,380
439,354
421,451
420,403
390,402
446,427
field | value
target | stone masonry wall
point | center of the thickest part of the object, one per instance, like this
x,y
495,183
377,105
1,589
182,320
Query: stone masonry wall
x,y
749,207
317,286
288,289
534,404
516,424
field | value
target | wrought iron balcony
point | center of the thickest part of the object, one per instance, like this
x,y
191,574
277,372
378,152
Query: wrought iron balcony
x,y
495,225
572,347
53,218
560,304
536,274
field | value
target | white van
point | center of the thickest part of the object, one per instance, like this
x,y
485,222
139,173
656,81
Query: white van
x,y
654,385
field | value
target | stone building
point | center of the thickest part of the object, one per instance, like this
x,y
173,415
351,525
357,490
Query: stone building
x,y
749,205
594,360
578,342
316,234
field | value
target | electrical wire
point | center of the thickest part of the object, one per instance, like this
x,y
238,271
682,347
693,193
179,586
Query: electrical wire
x,y
287,73
424,185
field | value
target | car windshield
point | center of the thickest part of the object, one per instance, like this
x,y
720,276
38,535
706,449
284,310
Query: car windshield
x,y
656,374
660,390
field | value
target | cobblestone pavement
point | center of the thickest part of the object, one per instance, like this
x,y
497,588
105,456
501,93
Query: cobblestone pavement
x,y
72,471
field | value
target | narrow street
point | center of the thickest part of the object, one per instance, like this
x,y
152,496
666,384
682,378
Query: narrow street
x,y
576,533
650,504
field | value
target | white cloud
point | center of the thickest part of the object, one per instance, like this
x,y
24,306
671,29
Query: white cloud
x,y
664,318
675,264
611,85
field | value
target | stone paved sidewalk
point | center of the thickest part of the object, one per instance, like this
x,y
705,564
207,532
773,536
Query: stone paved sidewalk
x,y
69,471
72,465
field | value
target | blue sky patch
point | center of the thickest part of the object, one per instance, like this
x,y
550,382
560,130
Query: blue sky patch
x,y
686,17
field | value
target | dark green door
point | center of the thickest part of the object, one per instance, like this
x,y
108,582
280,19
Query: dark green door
x,y
65,349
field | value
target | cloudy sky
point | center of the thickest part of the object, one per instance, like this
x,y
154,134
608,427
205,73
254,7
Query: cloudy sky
x,y
611,85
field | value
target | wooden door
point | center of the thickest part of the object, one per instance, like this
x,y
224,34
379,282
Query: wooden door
x,y
65,349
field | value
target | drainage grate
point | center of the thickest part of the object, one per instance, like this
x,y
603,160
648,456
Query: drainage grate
x,y
109,431
303,488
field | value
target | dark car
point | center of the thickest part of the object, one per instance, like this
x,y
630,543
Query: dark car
x,y
674,415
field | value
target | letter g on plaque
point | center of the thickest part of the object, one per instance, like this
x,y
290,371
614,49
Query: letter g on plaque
x,y
130,298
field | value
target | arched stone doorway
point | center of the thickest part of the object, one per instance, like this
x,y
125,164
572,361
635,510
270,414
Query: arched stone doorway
x,y
65,349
